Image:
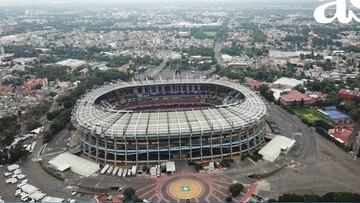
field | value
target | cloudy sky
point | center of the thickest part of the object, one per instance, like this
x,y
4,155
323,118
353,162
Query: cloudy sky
x,y
13,2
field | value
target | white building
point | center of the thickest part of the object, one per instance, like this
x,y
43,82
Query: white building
x,y
279,144
75,163
287,83
71,63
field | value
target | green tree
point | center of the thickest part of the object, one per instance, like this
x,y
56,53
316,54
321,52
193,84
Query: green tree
x,y
235,189
129,194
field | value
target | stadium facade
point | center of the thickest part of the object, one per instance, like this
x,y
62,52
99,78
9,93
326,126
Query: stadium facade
x,y
153,121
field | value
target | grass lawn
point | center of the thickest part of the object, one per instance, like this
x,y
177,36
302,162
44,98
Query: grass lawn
x,y
210,34
308,114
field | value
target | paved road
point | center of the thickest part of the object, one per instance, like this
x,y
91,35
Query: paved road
x,y
153,72
217,49
291,126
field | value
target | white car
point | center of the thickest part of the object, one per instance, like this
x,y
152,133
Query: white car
x,y
20,185
17,171
7,174
25,198
21,176
11,180
17,193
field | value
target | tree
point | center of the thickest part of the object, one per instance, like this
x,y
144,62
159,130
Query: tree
x,y
266,92
129,193
328,197
235,189
302,102
38,86
138,200
68,104
300,88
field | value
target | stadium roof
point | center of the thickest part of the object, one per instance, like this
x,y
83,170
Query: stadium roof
x,y
132,124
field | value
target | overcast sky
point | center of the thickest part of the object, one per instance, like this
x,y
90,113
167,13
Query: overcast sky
x,y
24,2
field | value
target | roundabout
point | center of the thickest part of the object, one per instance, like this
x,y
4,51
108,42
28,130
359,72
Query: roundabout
x,y
186,189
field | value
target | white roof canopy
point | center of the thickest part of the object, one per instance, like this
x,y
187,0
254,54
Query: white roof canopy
x,y
77,164
272,150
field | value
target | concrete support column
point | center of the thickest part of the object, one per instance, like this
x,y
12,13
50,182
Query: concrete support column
x,y
190,147
231,144
106,150
221,145
147,151
201,147
158,149
83,143
248,140
89,145
137,151
115,151
255,142
125,143
212,148
180,154
97,147
169,147
240,143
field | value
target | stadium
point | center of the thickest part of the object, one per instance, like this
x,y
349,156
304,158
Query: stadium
x,y
153,121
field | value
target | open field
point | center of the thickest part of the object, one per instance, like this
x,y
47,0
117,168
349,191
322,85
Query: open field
x,y
210,34
308,114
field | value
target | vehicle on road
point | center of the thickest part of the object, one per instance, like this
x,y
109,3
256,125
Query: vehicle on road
x,y
120,172
134,170
125,173
103,170
109,170
25,198
115,171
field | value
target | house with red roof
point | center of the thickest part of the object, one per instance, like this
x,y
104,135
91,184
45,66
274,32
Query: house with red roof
x,y
296,98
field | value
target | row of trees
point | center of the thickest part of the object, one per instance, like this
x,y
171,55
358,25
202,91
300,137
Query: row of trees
x,y
199,51
262,74
234,50
60,120
9,128
328,197
13,154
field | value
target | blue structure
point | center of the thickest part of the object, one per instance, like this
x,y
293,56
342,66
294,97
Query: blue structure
x,y
335,115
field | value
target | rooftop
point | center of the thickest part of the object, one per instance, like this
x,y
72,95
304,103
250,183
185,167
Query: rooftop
x,y
334,114
114,123
295,95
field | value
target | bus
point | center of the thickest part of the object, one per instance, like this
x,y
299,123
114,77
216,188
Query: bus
x,y
103,170
134,170
115,171
124,173
120,172
109,170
